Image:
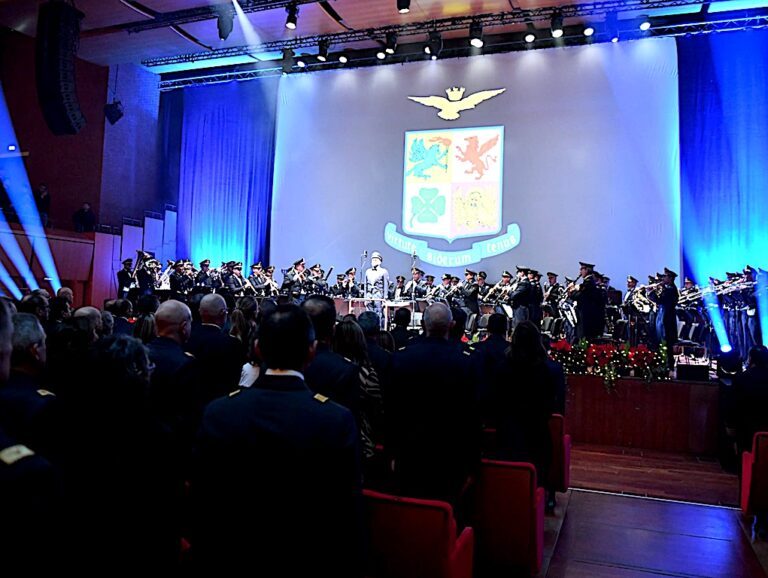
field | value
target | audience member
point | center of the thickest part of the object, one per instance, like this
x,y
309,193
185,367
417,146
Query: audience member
x,y
43,203
38,305
401,332
107,323
95,324
433,431
122,310
292,455
84,219
380,358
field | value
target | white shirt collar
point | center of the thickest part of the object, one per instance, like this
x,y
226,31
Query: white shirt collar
x,y
285,372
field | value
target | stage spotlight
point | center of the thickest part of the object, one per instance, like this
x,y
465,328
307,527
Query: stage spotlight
x,y
403,6
391,43
322,51
381,55
589,31
645,24
300,62
434,45
225,21
556,24
612,26
287,63
530,38
11,148
293,16
476,34
343,58
114,111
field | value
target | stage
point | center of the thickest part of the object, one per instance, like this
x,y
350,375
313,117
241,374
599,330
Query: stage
x,y
671,416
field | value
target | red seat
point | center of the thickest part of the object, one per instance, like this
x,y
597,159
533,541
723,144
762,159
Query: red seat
x,y
413,538
508,518
559,478
754,476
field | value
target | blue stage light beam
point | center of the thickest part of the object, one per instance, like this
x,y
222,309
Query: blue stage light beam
x,y
7,280
716,317
762,304
20,194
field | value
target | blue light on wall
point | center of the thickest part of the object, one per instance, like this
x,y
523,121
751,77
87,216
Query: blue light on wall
x,y
20,194
7,280
762,304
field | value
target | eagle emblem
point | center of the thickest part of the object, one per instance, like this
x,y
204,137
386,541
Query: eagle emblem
x,y
450,108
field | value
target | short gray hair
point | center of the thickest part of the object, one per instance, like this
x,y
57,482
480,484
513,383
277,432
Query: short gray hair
x,y
27,332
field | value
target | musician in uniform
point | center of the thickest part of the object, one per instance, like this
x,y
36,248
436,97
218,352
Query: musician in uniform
x,y
443,290
398,292
316,283
429,286
482,285
469,292
236,282
666,319
125,279
205,278
180,283
536,297
376,284
293,282
257,278
338,289
553,293
415,288
753,335
520,297
500,292
145,280
351,288
590,304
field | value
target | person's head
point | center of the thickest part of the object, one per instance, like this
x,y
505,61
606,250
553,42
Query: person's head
x,y
506,278
93,316
86,206
322,312
299,265
551,278
37,305
66,293
6,337
446,279
370,324
107,323
286,339
430,279
402,317
238,269
28,343
126,361
376,259
469,275
481,277
668,277
758,356
174,321
526,346
145,328
147,304
497,324
400,280
267,306
205,264
178,266
213,310
43,188
60,309
631,282
123,308
688,283
521,272
459,323
416,274
194,301
438,320
349,342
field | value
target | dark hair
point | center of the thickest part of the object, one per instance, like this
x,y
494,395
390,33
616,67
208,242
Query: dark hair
x,y
147,304
497,324
386,341
369,323
322,312
349,342
59,307
402,317
123,308
459,323
194,305
285,336
526,347
145,328
758,356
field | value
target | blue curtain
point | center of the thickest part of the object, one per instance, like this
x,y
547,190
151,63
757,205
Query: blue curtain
x,y
724,151
227,150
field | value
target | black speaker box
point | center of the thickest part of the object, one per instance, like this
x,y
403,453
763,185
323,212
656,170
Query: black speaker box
x,y
692,372
58,34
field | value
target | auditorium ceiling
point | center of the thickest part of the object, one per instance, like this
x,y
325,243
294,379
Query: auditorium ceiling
x,y
122,31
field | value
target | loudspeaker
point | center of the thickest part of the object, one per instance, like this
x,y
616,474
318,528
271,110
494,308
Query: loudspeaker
x,y
692,372
58,34
113,111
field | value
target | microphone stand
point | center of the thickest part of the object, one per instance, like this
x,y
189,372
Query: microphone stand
x,y
363,261
414,258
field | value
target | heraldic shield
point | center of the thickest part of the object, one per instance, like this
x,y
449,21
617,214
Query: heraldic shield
x,y
452,182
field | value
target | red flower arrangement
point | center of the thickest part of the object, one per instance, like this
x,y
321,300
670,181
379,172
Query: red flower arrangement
x,y
600,354
561,345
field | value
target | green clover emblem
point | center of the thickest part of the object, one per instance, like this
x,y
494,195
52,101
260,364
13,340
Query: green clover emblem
x,y
428,206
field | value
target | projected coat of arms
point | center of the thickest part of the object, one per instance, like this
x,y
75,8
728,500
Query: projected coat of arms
x,y
452,182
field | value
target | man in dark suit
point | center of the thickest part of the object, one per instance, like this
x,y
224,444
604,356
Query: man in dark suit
x,y
329,373
521,296
174,385
124,279
291,459
220,355
122,311
666,312
431,413
489,357
400,331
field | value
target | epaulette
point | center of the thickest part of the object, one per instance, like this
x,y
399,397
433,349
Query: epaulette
x,y
466,353
402,348
188,354
320,397
234,393
45,392
13,454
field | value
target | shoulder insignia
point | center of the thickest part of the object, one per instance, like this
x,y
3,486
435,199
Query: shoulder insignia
x,y
321,398
234,393
466,353
188,354
402,348
13,454
45,392
471,348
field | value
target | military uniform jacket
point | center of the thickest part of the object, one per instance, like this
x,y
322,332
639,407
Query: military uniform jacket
x,y
124,281
417,290
180,283
285,461
30,414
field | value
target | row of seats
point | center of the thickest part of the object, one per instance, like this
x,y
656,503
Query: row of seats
x,y
754,477
414,538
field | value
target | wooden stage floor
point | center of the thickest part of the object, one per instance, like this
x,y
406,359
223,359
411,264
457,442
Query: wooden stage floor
x,y
653,474
610,536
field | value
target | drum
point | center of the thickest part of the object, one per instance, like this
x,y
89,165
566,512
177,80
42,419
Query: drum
x,y
487,309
